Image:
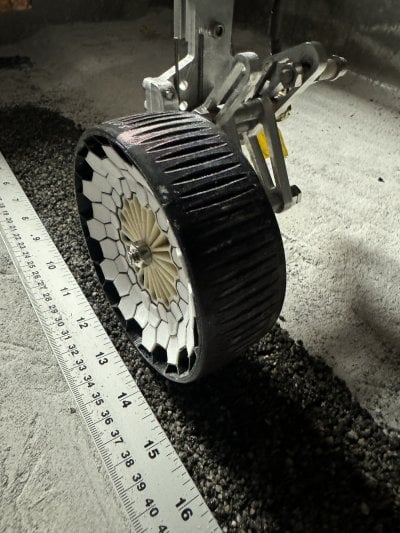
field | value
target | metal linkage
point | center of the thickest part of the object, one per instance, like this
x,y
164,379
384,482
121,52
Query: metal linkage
x,y
244,95
203,31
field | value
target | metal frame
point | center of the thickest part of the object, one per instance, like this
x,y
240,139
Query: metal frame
x,y
243,94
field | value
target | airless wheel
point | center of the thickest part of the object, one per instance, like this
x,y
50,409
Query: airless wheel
x,y
183,239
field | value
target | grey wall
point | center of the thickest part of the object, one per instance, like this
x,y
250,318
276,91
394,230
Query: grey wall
x,y
17,25
367,32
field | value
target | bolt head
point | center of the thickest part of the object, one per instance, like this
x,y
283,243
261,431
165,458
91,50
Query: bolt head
x,y
217,30
169,94
287,73
138,255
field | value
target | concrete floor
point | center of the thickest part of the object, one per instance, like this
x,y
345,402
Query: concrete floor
x,y
47,455
343,241
342,245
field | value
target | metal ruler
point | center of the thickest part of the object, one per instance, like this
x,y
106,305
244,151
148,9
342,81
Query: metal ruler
x,y
154,486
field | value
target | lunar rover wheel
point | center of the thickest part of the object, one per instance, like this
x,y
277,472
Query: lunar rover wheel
x,y
183,239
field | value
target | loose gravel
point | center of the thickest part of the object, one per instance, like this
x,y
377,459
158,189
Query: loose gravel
x,y
276,442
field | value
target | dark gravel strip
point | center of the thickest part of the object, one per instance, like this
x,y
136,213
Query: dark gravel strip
x,y
276,442
15,62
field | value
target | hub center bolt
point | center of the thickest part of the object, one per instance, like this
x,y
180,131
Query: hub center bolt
x,y
139,255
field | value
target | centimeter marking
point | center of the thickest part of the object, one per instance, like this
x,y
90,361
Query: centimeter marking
x,y
153,484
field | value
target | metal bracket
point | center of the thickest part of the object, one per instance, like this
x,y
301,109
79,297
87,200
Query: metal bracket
x,y
241,94
202,37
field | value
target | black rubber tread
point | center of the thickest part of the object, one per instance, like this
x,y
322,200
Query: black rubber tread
x,y
223,221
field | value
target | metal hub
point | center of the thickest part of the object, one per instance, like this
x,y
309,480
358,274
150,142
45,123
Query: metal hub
x,y
138,255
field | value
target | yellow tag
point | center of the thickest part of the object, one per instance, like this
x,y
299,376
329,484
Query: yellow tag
x,y
262,141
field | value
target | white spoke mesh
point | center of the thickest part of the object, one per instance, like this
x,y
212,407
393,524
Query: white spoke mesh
x,y
126,211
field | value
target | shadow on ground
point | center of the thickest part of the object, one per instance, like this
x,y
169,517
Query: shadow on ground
x,y
296,444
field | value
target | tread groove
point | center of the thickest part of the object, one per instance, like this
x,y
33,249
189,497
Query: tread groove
x,y
201,161
192,151
215,186
183,141
158,126
167,133
221,169
229,199
242,285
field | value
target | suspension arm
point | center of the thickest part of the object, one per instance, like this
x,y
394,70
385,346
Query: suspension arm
x,y
243,94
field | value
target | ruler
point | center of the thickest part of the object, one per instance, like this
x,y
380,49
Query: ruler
x,y
155,488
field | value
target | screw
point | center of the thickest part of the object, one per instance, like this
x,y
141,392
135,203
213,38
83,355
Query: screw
x,y
287,74
169,94
217,30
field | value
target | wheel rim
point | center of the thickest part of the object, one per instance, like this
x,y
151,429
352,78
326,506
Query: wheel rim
x,y
148,251
141,265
